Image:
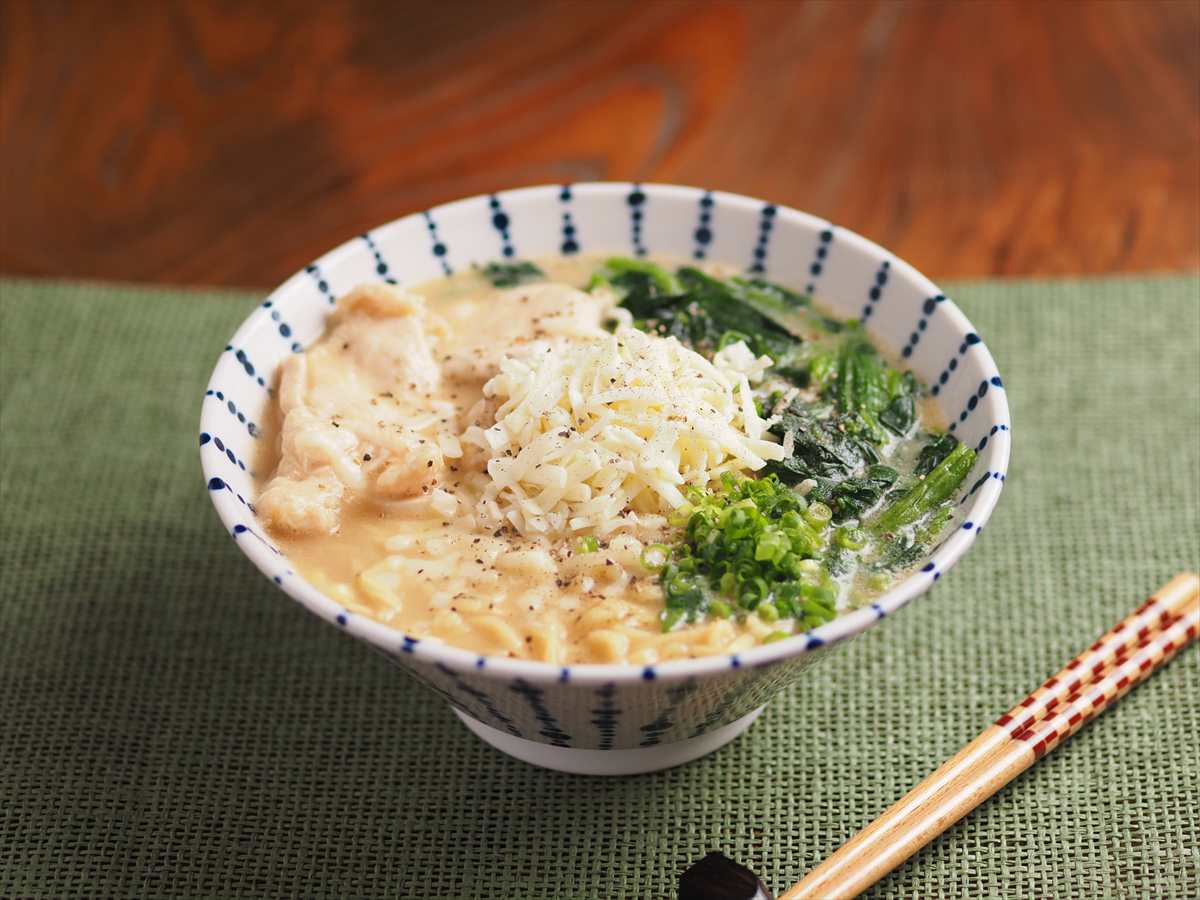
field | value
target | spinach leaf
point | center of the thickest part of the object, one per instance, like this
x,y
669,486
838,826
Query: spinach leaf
x,y
900,414
821,447
899,553
503,275
934,452
852,497
928,493
867,387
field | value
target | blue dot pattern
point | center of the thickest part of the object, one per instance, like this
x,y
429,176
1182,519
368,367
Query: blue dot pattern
x,y
321,282
637,210
482,698
973,400
968,342
550,729
241,529
927,309
437,246
284,329
234,411
703,234
766,222
665,720
381,267
606,715
875,294
980,482
570,237
501,223
983,441
246,364
205,438
219,484
820,259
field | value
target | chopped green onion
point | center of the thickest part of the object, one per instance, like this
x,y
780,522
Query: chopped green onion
x,y
746,546
720,609
878,581
810,569
775,636
850,538
588,544
655,557
818,515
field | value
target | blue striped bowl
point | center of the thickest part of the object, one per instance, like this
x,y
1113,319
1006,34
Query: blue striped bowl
x,y
603,719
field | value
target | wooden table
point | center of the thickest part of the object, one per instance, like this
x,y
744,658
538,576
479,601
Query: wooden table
x,y
229,143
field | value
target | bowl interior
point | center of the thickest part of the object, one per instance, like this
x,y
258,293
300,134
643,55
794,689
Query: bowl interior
x,y
904,313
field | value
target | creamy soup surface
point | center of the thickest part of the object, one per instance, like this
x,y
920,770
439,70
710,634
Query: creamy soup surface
x,y
449,460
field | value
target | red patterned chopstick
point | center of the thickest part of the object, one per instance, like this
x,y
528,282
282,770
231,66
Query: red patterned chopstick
x,y
1089,700
1060,706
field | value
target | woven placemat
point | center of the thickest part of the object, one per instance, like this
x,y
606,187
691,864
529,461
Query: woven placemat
x,y
170,724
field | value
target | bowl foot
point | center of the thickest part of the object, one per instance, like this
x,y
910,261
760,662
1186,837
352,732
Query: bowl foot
x,y
633,761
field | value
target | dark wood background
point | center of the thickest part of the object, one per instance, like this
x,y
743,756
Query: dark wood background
x,y
230,143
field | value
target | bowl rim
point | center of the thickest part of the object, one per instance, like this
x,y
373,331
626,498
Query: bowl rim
x,y
448,657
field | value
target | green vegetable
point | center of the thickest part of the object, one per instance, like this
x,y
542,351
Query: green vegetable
x,y
851,498
929,492
934,452
899,553
697,308
719,609
822,447
868,388
618,266
775,636
935,523
756,545
511,274
747,545
850,538
588,544
818,515
655,557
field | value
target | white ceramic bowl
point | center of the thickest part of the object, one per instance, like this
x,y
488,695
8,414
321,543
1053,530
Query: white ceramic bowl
x,y
606,719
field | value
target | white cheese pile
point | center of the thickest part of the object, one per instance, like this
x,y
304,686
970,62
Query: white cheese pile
x,y
590,430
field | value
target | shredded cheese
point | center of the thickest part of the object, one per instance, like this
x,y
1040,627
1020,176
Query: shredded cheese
x,y
590,431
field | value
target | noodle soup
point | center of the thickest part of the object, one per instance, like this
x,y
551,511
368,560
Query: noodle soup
x,y
600,460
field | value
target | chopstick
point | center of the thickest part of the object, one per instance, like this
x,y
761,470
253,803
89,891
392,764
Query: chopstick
x,y
1122,657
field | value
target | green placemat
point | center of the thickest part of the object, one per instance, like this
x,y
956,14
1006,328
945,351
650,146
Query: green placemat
x,y
170,724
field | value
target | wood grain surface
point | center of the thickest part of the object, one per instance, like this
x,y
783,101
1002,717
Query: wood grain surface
x,y
230,143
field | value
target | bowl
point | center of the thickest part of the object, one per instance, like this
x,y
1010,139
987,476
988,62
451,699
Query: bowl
x,y
613,719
